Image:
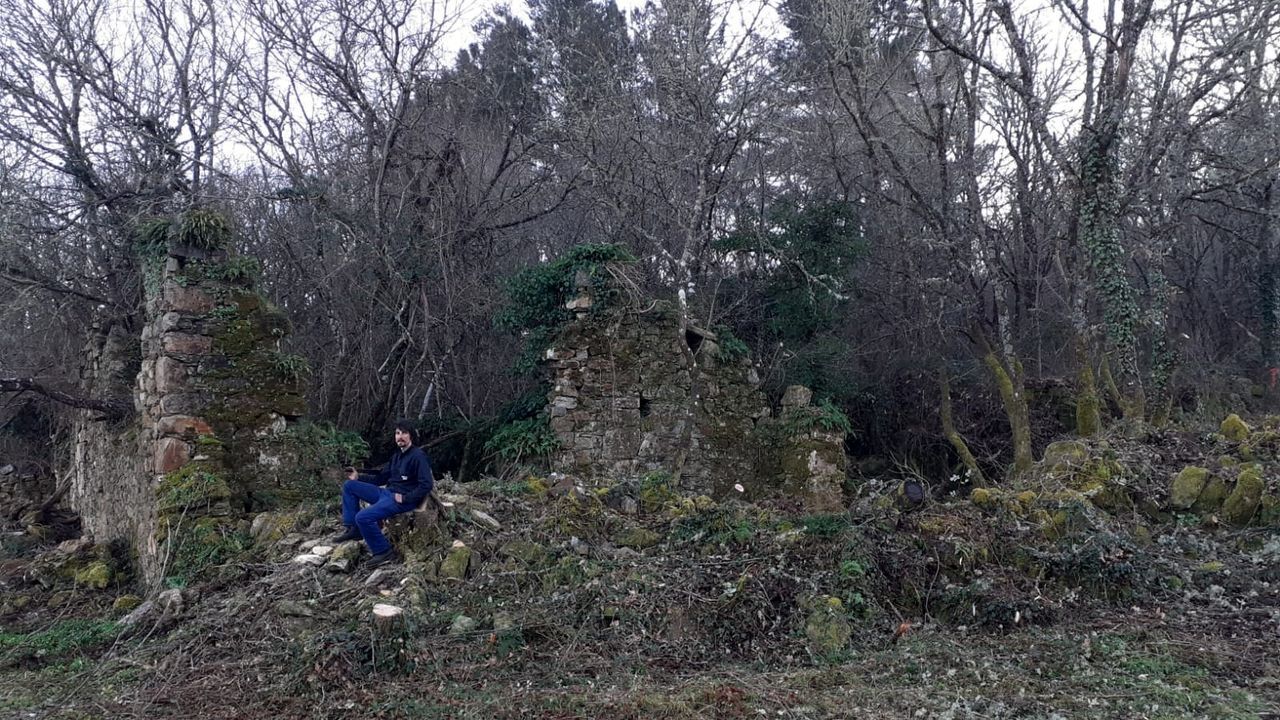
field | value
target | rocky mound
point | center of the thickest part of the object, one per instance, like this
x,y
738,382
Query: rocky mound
x,y
1096,586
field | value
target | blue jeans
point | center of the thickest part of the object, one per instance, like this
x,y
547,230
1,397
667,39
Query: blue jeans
x,y
382,505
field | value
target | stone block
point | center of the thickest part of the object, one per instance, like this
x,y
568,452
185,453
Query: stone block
x,y
190,300
171,454
567,403
797,396
627,402
184,344
183,425
169,322
170,375
183,404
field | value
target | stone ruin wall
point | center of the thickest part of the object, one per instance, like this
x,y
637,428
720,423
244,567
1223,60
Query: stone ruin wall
x,y
110,485
21,490
205,391
624,403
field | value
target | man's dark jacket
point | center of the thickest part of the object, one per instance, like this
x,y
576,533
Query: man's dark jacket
x,y
408,473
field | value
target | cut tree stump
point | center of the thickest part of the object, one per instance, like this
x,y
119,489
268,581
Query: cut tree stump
x,y
390,639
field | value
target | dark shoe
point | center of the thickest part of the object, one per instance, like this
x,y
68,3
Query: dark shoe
x,y
382,559
351,533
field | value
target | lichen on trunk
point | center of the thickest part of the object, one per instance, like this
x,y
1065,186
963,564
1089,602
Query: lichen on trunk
x,y
953,436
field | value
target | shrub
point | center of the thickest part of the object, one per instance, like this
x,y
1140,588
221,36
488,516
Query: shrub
x,y
522,440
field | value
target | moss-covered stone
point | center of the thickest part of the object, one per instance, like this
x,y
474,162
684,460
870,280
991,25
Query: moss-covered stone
x,y
1142,535
125,603
983,497
271,527
96,575
637,538
1234,429
1269,511
1065,453
193,488
1242,503
530,554
1211,498
344,557
455,564
1187,486
827,628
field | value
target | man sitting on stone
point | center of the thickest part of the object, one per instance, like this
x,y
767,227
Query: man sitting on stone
x,y
408,481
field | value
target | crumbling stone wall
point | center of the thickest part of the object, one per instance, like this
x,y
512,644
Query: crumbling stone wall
x,y
210,385
22,489
632,394
110,474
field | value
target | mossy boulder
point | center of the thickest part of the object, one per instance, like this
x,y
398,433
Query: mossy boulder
x,y
1187,486
1242,503
95,575
271,527
827,628
344,557
1269,510
1211,498
983,497
1065,454
1234,429
126,603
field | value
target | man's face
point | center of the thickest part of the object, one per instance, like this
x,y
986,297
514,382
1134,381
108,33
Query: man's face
x,y
403,440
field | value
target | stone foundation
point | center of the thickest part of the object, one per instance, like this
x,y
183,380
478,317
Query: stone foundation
x,y
633,394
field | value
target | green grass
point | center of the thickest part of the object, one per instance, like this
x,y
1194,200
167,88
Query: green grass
x,y
60,641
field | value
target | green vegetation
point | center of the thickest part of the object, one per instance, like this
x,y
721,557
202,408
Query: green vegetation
x,y
190,488
536,297
823,415
656,491
731,347
207,544
721,526
825,526
523,440
293,367
308,449
470,446
204,229
240,270
54,644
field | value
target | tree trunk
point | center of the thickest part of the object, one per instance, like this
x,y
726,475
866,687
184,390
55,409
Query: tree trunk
x,y
1088,417
953,436
1013,395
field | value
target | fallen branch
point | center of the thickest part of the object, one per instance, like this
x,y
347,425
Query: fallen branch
x,y
111,408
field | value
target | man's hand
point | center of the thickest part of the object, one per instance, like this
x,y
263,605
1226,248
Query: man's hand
x,y
399,498
352,474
